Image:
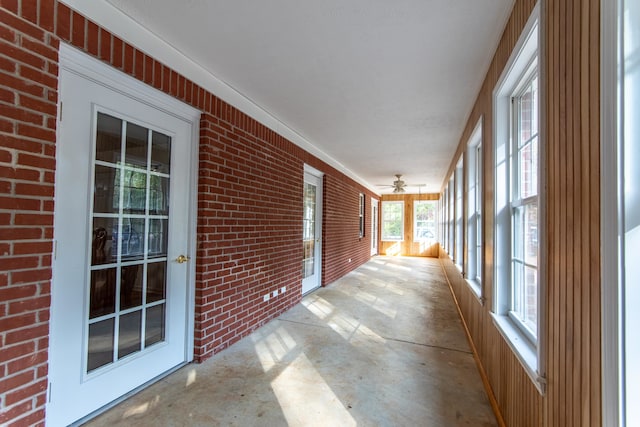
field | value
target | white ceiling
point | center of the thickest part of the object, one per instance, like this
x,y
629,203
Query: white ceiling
x,y
382,87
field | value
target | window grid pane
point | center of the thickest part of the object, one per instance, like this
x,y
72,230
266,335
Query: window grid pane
x,y
392,221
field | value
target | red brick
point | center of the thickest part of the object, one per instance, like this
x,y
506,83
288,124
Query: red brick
x,y
15,412
21,55
92,38
32,304
27,392
21,219
38,77
11,5
63,21
105,45
37,104
39,48
139,65
31,276
35,419
17,203
11,352
30,11
19,263
21,85
117,52
23,248
19,173
46,15
36,161
21,25
128,59
78,25
44,190
27,362
8,65
6,156
17,322
27,334
5,187
20,114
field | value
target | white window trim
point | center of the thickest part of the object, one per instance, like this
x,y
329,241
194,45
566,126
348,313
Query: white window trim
x,y
415,221
459,215
472,276
530,355
361,217
382,237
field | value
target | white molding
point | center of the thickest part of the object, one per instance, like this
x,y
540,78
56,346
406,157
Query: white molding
x,y
109,17
612,402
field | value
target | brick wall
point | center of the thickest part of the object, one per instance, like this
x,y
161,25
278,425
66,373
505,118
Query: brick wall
x,y
341,232
249,191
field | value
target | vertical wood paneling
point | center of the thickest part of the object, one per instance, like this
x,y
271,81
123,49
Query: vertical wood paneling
x,y
571,110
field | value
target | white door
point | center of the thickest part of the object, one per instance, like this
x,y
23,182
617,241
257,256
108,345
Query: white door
x,y
374,227
121,280
311,231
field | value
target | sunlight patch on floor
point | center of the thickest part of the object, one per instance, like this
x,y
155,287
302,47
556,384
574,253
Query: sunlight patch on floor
x,y
320,307
307,399
141,409
273,347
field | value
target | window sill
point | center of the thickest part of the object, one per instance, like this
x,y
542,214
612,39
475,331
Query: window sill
x,y
522,348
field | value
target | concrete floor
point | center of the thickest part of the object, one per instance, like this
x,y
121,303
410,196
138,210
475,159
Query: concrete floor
x,y
383,346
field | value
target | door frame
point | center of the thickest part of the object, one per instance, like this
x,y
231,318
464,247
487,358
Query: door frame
x,y
318,226
74,61
375,230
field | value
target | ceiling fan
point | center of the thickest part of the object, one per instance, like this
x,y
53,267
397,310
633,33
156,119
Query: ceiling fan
x,y
399,184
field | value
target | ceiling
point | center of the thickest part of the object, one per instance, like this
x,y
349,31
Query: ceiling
x,y
382,87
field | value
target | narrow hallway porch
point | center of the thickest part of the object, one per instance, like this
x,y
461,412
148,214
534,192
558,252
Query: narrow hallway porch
x,y
382,346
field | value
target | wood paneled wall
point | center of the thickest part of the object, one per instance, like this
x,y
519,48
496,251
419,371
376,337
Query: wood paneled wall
x,y
408,247
570,61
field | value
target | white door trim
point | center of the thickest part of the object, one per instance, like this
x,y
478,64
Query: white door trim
x,y
309,170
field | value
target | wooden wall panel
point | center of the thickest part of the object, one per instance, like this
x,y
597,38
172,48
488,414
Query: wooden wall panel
x,y
571,109
408,247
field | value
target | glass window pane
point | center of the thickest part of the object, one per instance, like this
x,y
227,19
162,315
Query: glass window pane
x,y
161,153
137,144
106,195
158,195
103,243
134,188
131,286
154,330
156,281
102,294
108,139
132,238
100,351
530,315
531,234
158,237
129,337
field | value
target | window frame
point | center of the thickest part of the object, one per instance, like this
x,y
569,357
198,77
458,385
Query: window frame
x,y
529,352
383,221
361,218
434,206
473,190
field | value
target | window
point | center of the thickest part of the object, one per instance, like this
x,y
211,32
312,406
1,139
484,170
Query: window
x,y
516,307
392,221
424,220
450,216
473,263
459,217
361,215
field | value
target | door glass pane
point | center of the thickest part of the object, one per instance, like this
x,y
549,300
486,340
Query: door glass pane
x,y
105,190
154,325
100,351
131,286
102,299
161,153
108,139
156,281
136,154
130,219
308,230
130,334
